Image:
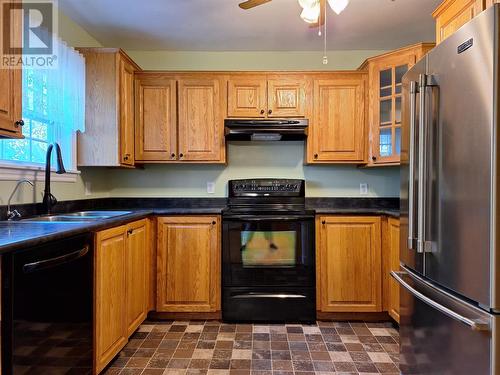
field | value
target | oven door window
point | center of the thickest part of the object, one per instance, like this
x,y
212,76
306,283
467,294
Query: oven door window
x,y
263,252
268,248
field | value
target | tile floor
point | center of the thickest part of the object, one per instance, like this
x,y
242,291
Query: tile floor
x,y
198,347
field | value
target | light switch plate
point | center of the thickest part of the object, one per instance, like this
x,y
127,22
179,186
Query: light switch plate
x,y
363,189
210,187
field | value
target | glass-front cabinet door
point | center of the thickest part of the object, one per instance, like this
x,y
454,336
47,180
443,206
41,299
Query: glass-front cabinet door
x,y
389,113
385,98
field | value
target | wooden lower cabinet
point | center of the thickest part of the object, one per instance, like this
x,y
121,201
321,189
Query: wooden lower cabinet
x,y
121,285
188,264
390,256
348,256
137,255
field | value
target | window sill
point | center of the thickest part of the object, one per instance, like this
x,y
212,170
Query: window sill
x,y
14,172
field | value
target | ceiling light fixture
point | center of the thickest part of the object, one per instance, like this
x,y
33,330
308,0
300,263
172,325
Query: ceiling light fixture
x,y
311,10
338,5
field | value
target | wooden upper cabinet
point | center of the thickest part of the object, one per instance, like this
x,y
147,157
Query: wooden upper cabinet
x,y
452,14
246,96
286,98
108,139
11,89
156,117
188,262
385,74
110,308
137,258
337,132
349,264
273,96
127,112
11,103
201,119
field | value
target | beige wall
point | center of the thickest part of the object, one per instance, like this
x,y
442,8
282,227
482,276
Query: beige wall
x,y
244,159
247,160
256,60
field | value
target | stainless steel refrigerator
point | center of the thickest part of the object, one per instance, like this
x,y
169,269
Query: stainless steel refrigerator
x,y
450,206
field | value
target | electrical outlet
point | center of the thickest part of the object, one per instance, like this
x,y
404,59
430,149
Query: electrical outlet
x,y
210,187
88,188
363,189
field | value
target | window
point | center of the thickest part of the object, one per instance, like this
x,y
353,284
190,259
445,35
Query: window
x,y
53,110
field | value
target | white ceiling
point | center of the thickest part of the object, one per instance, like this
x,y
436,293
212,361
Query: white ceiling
x,y
220,25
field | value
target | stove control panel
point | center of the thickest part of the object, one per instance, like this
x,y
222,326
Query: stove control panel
x,y
268,187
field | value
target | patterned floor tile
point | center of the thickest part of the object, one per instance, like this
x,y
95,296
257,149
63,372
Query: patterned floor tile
x,y
216,348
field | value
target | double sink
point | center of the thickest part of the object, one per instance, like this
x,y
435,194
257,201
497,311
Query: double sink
x,y
81,216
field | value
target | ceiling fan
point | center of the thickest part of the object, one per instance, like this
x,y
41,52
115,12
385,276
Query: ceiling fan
x,y
313,11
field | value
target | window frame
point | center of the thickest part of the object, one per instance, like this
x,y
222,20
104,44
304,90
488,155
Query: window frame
x,y
15,170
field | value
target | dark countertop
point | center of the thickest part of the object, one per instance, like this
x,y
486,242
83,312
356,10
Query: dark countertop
x,y
17,235
21,234
354,206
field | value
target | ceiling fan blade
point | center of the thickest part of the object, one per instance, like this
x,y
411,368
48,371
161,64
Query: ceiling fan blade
x,y
321,18
252,3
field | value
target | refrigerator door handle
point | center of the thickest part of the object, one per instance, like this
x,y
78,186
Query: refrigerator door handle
x,y
422,244
474,324
411,187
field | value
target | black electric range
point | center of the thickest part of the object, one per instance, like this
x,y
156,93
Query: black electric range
x,y
268,252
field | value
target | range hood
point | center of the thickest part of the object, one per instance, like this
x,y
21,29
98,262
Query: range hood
x,y
265,130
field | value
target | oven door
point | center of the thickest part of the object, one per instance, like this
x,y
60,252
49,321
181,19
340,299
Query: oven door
x,y
268,250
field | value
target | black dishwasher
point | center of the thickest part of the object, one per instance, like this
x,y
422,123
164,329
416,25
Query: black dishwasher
x,y
47,308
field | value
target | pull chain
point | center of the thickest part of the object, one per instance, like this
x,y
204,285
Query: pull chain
x,y
325,58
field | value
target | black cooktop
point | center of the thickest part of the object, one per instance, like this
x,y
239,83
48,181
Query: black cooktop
x,y
266,196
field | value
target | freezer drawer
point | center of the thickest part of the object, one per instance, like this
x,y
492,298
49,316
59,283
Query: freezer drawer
x,y
441,334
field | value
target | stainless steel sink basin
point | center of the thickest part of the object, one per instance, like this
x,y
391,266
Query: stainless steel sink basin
x,y
82,216
96,214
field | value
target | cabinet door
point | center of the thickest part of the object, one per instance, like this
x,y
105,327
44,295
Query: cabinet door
x,y
201,120
337,131
188,261
452,14
11,90
155,110
109,321
286,98
349,264
246,97
386,85
393,244
126,72
137,262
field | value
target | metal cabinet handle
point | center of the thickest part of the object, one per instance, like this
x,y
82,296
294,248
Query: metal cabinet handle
x,y
315,156
270,111
264,295
262,111
214,222
126,157
130,231
411,187
52,262
323,222
172,155
19,123
476,325
181,155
